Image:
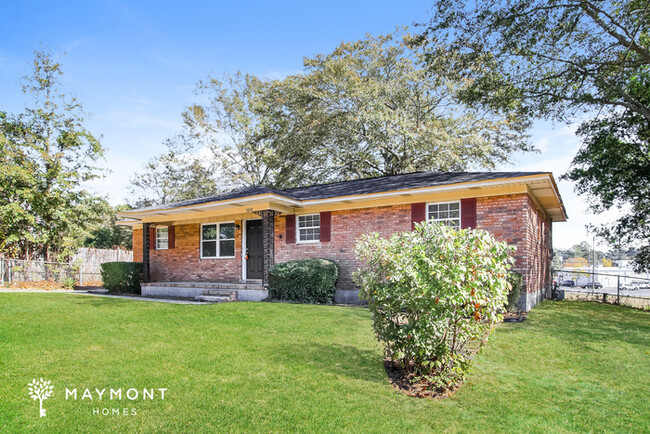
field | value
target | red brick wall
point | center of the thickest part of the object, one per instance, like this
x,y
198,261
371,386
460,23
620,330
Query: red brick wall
x,y
347,226
137,245
513,218
184,264
517,220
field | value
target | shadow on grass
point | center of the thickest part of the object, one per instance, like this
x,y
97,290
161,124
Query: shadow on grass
x,y
587,322
336,359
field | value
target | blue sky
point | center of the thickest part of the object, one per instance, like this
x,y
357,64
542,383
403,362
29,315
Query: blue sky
x,y
134,65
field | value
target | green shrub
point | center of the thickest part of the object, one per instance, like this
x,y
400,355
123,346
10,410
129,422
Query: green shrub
x,y
516,281
434,294
304,280
68,283
122,276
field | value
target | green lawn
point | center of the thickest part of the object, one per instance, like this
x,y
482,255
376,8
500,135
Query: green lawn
x,y
571,366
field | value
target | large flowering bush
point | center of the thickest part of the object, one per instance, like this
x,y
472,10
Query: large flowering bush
x,y
434,294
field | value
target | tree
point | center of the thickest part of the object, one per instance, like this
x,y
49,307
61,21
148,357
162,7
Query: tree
x,y
576,262
545,56
49,155
367,109
231,126
613,168
172,177
386,114
109,235
551,58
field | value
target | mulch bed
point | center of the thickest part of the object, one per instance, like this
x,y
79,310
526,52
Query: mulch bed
x,y
515,316
403,382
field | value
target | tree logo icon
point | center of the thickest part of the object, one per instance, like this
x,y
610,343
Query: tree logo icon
x,y
41,390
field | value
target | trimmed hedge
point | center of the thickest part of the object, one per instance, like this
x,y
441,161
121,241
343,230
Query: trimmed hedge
x,y
516,280
122,277
304,281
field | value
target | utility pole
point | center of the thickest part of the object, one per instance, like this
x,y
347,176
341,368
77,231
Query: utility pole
x,y
593,267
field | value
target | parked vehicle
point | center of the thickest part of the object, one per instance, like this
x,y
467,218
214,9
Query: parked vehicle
x,y
596,285
635,285
568,283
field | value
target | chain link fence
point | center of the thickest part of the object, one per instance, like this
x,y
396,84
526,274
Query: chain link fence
x,y
615,287
84,269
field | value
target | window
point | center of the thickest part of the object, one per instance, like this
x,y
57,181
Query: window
x,y
218,240
309,228
162,238
447,213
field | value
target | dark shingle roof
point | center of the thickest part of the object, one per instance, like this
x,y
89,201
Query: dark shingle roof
x,y
395,182
355,187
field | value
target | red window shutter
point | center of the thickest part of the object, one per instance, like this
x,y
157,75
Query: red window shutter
x,y
290,223
171,243
325,226
152,238
418,213
468,213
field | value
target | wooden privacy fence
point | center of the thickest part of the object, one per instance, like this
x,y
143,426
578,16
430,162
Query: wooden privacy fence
x,y
83,268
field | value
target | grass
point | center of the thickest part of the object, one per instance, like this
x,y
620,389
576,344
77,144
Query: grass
x,y
571,367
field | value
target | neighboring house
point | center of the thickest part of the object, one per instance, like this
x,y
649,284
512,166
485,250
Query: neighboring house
x,y
235,238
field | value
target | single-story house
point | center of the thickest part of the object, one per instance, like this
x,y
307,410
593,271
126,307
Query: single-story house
x,y
232,240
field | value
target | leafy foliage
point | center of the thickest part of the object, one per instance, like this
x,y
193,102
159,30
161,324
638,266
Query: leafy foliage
x,y
172,177
552,58
433,293
546,57
68,283
46,155
516,281
369,108
304,281
388,114
613,168
108,235
120,277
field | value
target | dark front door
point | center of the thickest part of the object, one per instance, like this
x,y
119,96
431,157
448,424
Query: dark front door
x,y
254,250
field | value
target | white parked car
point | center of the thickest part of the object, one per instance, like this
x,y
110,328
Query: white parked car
x,y
635,284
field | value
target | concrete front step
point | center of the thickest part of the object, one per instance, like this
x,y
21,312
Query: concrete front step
x,y
208,285
248,291
230,295
213,298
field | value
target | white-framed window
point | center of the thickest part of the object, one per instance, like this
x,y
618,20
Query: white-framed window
x,y
162,238
218,240
447,213
308,228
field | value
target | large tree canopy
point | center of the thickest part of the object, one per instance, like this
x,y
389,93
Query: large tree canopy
x,y
47,154
548,57
613,166
552,58
369,108
387,114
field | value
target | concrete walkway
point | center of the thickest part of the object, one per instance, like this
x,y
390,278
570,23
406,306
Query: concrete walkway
x,y
96,294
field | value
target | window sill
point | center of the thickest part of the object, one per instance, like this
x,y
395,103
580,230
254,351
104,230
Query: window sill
x,y
217,257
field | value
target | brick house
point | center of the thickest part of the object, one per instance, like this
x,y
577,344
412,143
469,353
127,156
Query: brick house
x,y
233,239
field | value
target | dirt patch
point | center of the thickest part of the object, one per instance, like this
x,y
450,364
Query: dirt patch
x,y
404,382
43,285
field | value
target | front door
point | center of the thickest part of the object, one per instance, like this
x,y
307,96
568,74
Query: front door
x,y
254,250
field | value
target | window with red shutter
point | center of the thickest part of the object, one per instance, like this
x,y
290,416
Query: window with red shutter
x,y
290,229
325,226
